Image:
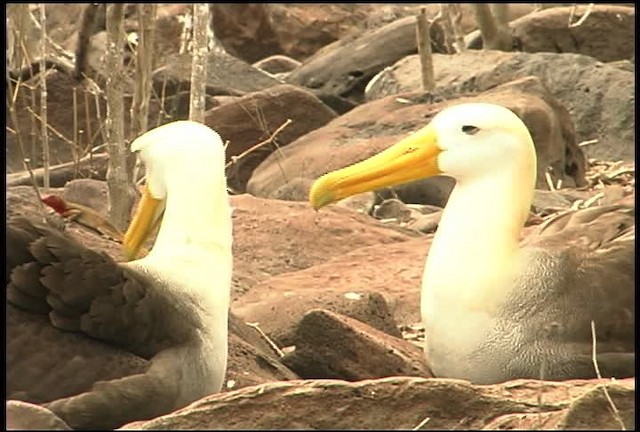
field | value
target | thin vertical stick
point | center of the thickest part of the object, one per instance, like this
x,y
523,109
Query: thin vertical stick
x,y
200,50
456,23
76,145
43,97
121,193
144,66
424,50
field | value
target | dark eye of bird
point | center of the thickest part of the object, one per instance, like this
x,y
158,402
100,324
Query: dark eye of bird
x,y
470,130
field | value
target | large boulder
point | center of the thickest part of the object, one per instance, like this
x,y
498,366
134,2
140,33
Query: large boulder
x,y
254,118
265,309
273,237
408,403
607,33
344,67
376,125
333,346
225,74
600,97
254,31
394,270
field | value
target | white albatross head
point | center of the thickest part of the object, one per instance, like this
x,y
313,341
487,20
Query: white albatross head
x,y
466,141
185,179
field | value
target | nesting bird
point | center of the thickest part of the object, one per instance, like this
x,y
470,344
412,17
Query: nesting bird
x,y
168,310
493,309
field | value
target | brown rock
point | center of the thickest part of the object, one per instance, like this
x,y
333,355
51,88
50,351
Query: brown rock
x,y
593,409
88,192
394,270
345,67
427,223
433,191
582,402
393,208
251,359
365,306
449,71
252,119
362,202
387,403
254,31
245,30
226,75
376,125
296,189
273,237
607,34
334,346
26,416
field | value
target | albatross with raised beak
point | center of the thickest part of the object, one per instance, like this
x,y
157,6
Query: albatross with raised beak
x,y
493,309
170,307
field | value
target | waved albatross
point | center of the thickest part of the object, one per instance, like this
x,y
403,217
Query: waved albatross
x,y
169,308
493,310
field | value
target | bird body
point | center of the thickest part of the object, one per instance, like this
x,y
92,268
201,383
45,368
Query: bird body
x,y
169,308
493,310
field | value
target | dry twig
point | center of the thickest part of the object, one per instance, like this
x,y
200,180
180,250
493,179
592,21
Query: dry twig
x,y
422,423
235,159
588,142
616,413
582,18
271,343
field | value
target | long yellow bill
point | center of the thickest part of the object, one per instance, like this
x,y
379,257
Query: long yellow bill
x,y
412,158
145,220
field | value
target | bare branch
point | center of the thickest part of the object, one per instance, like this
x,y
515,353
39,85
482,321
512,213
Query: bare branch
x,y
582,18
43,124
144,66
200,49
501,14
424,50
23,36
235,159
449,38
25,160
43,97
271,343
90,166
495,34
121,193
594,359
88,25
456,23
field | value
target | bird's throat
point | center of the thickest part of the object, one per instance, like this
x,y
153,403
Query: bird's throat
x,y
475,248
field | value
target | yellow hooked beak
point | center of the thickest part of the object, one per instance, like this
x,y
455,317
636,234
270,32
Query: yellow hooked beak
x,y
145,220
412,158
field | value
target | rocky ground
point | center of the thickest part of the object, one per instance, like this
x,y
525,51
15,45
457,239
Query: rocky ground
x,y
346,354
